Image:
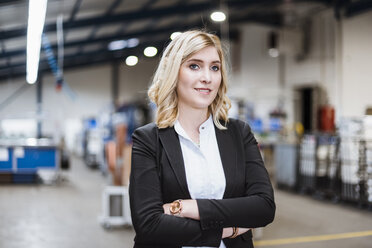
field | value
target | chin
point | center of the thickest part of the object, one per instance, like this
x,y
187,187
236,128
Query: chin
x,y
202,105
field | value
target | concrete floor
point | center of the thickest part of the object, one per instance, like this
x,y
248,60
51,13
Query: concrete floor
x,y
65,215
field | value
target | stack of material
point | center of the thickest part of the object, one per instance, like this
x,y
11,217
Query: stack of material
x,y
356,160
367,128
349,150
334,168
307,163
369,171
327,166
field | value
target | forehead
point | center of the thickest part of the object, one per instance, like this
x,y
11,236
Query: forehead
x,y
206,54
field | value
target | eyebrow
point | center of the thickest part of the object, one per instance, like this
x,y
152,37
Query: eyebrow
x,y
201,61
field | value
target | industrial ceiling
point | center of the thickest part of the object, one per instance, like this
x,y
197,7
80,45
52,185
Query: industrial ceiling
x,y
90,25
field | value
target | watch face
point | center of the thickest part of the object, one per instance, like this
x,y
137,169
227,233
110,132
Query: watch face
x,y
175,207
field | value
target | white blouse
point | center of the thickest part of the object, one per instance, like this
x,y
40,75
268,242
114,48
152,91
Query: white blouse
x,y
203,166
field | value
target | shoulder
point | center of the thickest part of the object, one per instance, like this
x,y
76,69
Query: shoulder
x,y
147,132
144,139
242,126
148,128
243,129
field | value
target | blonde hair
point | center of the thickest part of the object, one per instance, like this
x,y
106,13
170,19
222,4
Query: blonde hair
x,y
163,89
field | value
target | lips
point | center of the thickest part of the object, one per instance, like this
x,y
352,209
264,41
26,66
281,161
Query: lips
x,y
203,90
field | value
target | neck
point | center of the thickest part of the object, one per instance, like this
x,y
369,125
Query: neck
x,y
190,118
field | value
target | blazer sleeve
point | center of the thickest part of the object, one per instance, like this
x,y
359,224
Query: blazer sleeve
x,y
256,208
152,226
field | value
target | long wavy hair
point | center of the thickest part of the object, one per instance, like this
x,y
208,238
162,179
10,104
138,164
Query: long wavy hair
x,y
164,84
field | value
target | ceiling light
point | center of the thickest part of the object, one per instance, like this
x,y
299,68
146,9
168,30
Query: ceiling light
x,y
117,45
174,35
150,51
132,42
218,16
273,52
131,60
36,19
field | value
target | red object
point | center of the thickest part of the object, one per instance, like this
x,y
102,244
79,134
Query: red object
x,y
58,87
327,118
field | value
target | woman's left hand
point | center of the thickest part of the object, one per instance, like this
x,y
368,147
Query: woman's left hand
x,y
166,208
189,209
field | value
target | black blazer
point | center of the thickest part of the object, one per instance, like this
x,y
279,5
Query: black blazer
x,y
248,200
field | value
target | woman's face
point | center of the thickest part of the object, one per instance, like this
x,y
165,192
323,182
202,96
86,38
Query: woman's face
x,y
199,79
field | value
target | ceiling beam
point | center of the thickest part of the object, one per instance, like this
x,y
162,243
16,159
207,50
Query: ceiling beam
x,y
109,11
358,7
146,6
19,70
122,17
75,10
10,2
97,26
273,19
109,38
138,15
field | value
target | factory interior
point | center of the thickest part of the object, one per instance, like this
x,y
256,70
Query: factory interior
x,y
71,97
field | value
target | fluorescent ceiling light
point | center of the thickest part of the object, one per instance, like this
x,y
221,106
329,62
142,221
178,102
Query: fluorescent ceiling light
x,y
117,45
218,16
132,42
36,19
131,60
150,51
174,35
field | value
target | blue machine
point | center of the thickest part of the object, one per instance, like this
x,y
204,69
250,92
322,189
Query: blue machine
x,y
24,162
6,159
36,158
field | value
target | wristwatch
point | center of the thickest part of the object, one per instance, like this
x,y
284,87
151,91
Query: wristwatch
x,y
175,207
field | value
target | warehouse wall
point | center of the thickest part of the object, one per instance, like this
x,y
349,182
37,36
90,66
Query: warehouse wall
x,y
318,65
262,73
256,78
356,84
18,106
91,87
134,81
338,61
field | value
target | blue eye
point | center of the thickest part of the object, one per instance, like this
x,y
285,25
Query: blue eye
x,y
194,66
215,68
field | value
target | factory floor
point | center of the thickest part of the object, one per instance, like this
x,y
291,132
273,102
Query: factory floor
x,y
66,215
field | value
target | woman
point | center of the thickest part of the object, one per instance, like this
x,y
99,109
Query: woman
x,y
197,177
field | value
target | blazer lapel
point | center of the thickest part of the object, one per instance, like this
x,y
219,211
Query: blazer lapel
x,y
227,150
172,147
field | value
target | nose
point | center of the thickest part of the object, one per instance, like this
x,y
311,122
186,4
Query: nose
x,y
206,76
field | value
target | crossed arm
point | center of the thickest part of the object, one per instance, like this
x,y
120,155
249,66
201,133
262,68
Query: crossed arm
x,y
190,210
205,221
